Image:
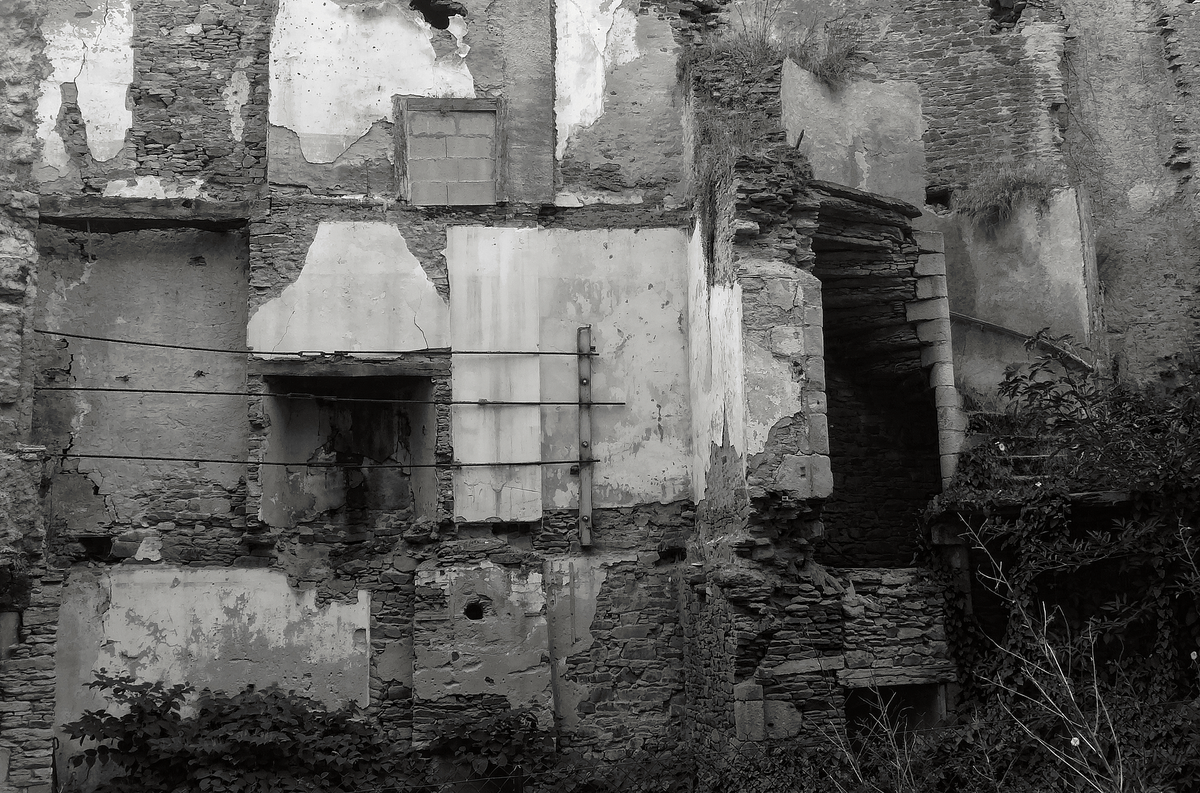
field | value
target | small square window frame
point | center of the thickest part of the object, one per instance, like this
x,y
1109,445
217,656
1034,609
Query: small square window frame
x,y
404,105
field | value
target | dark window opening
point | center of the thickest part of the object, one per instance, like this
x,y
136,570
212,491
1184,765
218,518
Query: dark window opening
x,y
871,712
1007,12
438,12
349,451
473,611
938,197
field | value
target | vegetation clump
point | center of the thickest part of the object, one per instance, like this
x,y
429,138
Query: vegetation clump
x,y
993,194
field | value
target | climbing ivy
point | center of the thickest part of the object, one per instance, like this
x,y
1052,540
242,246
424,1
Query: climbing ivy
x,y
1079,501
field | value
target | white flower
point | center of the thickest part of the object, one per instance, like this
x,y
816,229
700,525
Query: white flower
x,y
1193,655
1074,741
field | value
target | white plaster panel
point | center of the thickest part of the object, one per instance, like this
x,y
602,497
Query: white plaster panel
x,y
630,286
715,358
866,135
593,36
335,67
217,628
494,283
360,289
88,43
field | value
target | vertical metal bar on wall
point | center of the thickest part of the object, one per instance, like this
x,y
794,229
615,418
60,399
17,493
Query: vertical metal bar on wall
x,y
584,349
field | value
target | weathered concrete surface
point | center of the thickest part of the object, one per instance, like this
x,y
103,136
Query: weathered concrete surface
x,y
572,587
522,287
619,106
593,37
1029,273
173,286
208,627
501,649
494,281
715,364
360,289
866,135
336,66
1130,142
89,46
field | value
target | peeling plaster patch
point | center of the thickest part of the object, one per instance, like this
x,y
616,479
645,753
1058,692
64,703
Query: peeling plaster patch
x,y
88,43
771,391
594,36
154,187
334,70
580,198
506,651
360,289
217,628
236,94
573,587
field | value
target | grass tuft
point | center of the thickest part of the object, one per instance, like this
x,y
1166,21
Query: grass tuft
x,y
993,194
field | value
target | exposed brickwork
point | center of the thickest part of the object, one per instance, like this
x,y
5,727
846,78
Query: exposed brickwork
x,y
986,90
184,117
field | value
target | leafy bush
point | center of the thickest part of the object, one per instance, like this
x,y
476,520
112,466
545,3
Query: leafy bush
x,y
255,740
992,194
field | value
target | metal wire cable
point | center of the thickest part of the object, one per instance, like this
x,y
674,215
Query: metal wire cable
x,y
320,397
306,353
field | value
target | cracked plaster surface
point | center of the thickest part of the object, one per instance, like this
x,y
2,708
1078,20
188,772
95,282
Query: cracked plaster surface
x,y
88,43
361,289
594,36
334,69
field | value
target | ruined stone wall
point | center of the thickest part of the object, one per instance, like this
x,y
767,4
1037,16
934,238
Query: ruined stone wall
x,y
885,469
1131,132
989,91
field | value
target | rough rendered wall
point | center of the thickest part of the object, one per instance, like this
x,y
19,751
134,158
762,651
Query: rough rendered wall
x,y
1131,131
154,100
170,286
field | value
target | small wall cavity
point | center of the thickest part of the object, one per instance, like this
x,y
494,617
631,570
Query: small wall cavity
x,y
88,43
336,66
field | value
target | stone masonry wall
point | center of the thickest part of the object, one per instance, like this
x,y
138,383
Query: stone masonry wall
x,y
989,91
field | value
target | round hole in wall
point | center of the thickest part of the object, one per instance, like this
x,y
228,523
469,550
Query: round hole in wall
x,y
473,611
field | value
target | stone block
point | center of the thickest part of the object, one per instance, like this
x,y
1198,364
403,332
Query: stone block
x,y
939,352
818,433
476,123
814,371
942,373
931,264
814,340
931,286
935,332
424,123
426,148
481,169
930,241
470,193
952,419
459,146
782,720
747,691
924,310
439,170
428,193
748,720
